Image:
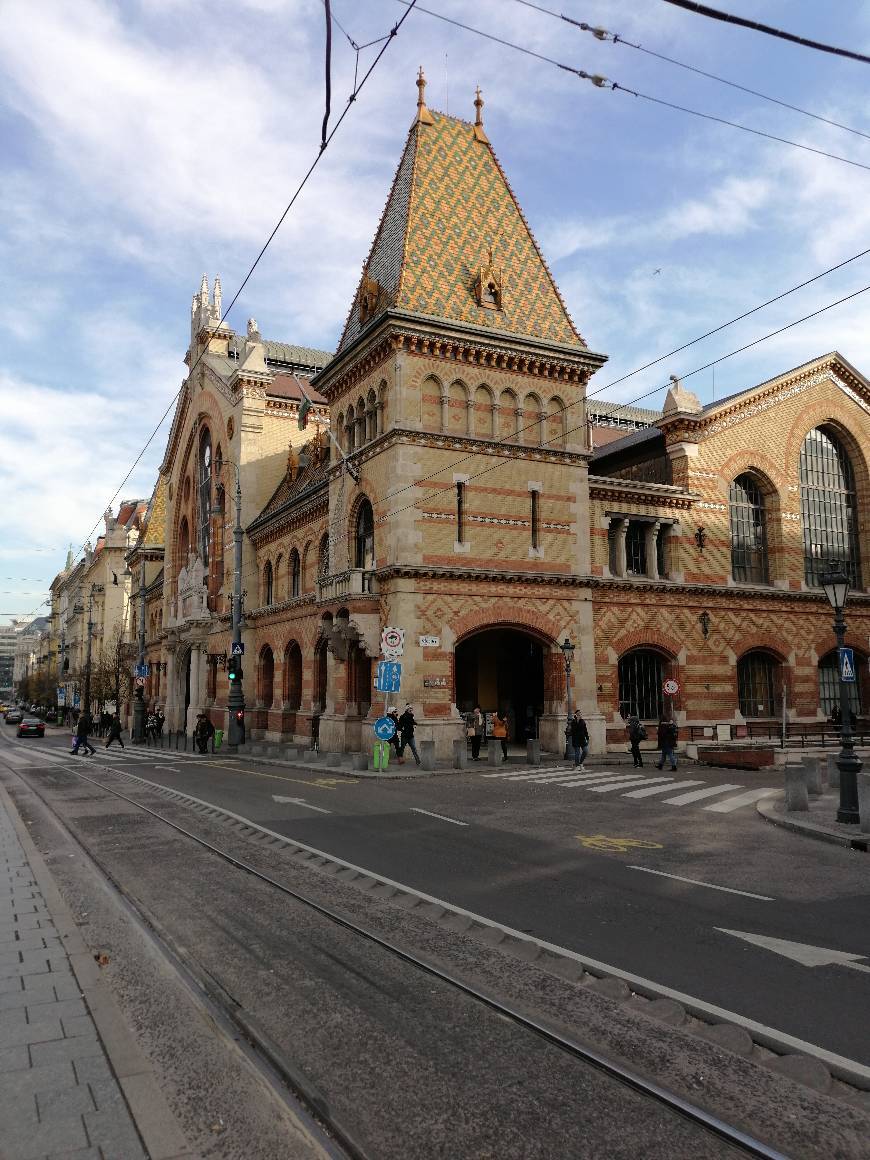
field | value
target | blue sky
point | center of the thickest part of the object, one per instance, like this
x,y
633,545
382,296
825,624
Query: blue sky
x,y
147,142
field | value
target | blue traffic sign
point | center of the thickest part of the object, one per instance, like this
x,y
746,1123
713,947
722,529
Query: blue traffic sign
x,y
389,677
385,728
847,665
238,650
142,670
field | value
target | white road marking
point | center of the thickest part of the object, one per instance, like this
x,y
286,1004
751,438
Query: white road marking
x,y
15,757
709,885
522,774
803,953
642,793
299,802
696,795
742,799
613,787
441,817
590,779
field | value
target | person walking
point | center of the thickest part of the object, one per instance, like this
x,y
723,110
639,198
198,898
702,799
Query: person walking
x,y
475,729
396,739
667,742
636,734
114,731
83,729
499,733
406,733
161,721
203,731
579,737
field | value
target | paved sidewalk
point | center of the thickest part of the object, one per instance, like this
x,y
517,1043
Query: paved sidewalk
x,y
819,821
60,1095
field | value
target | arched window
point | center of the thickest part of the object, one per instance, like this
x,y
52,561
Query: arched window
x,y
364,555
323,557
268,583
828,508
205,496
748,538
641,673
293,676
371,416
829,685
295,574
266,690
756,684
183,543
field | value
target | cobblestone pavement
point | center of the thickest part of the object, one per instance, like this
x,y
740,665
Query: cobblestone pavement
x,y
58,1094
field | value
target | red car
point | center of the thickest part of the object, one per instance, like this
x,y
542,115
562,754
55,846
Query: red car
x,y
30,727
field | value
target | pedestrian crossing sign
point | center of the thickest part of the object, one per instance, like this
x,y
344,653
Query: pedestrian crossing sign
x,y
847,665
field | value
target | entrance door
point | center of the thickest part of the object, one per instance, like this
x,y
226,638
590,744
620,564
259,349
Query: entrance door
x,y
502,668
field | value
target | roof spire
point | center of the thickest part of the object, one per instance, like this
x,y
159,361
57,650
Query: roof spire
x,y
479,131
424,117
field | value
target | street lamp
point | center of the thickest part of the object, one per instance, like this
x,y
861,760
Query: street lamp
x,y
86,696
236,699
836,586
139,690
568,653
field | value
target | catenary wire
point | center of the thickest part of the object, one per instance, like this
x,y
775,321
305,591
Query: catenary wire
x,y
769,30
602,82
614,38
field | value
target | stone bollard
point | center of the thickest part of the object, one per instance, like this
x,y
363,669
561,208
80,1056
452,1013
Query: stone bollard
x,y
360,761
427,754
833,771
533,751
796,798
493,752
814,775
864,801
460,754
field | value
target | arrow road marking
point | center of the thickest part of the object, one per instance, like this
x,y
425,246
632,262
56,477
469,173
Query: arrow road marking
x,y
440,817
299,802
803,953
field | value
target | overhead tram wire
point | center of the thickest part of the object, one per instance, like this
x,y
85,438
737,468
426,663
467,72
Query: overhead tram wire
x,y
653,362
324,146
769,30
602,82
605,35
697,370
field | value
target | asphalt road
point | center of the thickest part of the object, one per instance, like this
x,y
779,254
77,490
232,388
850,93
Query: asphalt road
x,y
513,851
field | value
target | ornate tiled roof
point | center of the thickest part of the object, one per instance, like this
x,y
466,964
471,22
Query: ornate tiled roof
x,y
155,518
449,206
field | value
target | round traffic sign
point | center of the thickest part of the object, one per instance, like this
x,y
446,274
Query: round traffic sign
x,y
671,687
392,640
139,682
385,728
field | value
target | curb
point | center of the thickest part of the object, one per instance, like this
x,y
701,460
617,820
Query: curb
x,y
767,809
154,1121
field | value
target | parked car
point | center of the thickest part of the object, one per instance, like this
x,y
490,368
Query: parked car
x,y
31,727
13,716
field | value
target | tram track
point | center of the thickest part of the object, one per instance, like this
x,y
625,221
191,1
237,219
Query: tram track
x,y
729,1139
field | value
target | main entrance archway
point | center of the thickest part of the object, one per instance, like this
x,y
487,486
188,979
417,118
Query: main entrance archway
x,y
502,668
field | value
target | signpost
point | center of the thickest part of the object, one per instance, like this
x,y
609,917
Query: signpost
x,y
392,643
670,688
238,649
142,670
388,678
385,731
139,682
847,665
385,728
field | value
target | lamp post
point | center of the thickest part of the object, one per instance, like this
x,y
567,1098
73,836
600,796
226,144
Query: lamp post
x,y
836,586
568,653
139,693
86,696
236,698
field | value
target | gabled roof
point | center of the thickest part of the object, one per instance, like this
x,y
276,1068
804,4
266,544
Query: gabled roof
x,y
292,387
449,206
307,469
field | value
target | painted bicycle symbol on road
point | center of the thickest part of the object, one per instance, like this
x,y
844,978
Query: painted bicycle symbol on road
x,y
616,845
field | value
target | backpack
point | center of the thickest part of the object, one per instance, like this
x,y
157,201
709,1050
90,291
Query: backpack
x,y
641,732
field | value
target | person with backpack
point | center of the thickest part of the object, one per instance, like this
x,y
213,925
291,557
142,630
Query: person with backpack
x,y
578,735
667,742
114,731
406,731
203,731
396,739
636,734
83,729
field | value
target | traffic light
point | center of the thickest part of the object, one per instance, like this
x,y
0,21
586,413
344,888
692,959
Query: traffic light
x,y
240,724
140,693
234,668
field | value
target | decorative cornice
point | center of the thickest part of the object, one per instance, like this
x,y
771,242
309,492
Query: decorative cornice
x,y
310,504
294,602
652,494
683,588
436,572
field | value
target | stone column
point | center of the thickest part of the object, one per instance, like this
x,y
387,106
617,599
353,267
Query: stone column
x,y
520,434
445,412
652,562
469,416
621,560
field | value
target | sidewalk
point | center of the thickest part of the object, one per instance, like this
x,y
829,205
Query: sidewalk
x,y
73,1082
819,821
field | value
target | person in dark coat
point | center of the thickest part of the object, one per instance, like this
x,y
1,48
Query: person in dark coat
x,y
114,733
667,743
83,730
636,734
406,731
396,739
203,731
579,738
475,729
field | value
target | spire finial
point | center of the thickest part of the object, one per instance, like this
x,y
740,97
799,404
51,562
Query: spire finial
x,y
424,117
479,131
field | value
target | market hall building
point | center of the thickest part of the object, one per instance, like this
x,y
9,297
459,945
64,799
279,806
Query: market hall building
x,y
460,486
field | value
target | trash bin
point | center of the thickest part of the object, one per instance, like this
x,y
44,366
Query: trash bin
x,y
218,738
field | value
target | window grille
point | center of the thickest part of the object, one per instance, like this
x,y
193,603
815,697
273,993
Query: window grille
x,y
635,549
460,513
828,508
205,497
323,561
295,573
748,540
365,536
268,583
829,687
536,536
641,673
755,685
661,555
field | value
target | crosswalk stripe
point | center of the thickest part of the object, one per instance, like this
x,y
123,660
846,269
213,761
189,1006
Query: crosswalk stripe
x,y
595,778
696,795
642,793
742,799
613,786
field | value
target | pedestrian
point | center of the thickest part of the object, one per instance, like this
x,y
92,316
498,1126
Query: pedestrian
x,y
161,721
406,731
636,734
579,736
83,729
474,730
667,742
114,731
396,739
203,731
151,726
499,732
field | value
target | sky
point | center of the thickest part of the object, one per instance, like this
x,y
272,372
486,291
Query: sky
x,y
149,141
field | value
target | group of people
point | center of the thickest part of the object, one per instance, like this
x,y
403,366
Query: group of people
x,y
666,740
84,729
403,738
154,723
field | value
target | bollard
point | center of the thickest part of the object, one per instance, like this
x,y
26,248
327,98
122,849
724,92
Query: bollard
x,y
460,754
427,755
814,775
833,771
493,752
533,751
864,801
796,798
360,761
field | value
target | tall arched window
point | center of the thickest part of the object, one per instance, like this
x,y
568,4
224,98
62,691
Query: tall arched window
x,y
364,555
748,538
205,496
268,583
323,557
295,574
829,685
828,508
641,673
756,684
